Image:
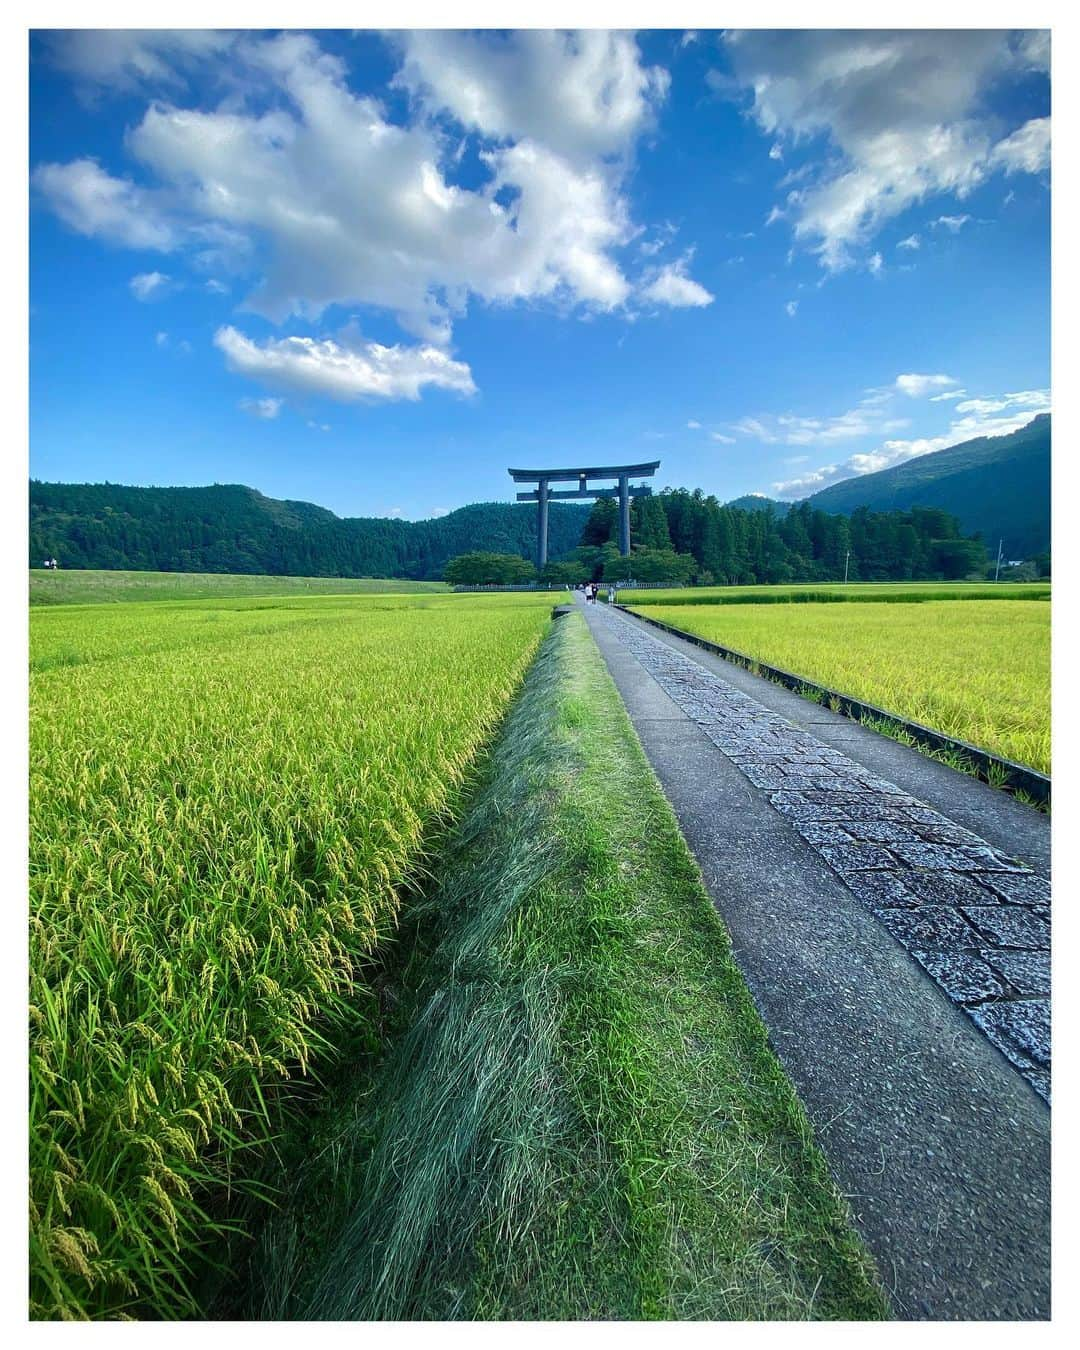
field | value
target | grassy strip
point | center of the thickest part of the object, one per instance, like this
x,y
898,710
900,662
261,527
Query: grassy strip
x,y
91,587
583,1118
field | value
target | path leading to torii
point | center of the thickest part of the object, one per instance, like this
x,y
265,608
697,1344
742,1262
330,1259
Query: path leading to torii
x,y
892,919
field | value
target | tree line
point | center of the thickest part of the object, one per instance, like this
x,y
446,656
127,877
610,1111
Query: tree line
x,y
681,536
678,535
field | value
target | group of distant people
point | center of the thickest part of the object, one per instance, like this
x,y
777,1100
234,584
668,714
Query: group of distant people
x,y
590,589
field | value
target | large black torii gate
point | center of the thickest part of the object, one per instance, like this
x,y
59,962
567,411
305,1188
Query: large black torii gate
x,y
542,477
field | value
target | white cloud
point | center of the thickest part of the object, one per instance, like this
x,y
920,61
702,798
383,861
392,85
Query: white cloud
x,y
338,205
162,339
875,263
1034,400
954,224
723,440
671,286
869,418
216,287
1026,150
92,202
792,308
150,285
318,426
912,241
775,151
948,396
918,386
437,512
980,420
265,408
582,95
904,113
693,426
360,370
126,59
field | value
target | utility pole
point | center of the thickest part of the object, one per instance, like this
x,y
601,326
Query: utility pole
x,y
847,559
997,569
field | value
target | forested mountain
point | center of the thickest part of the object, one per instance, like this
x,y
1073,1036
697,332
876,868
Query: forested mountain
x,y
997,485
236,529
756,501
687,534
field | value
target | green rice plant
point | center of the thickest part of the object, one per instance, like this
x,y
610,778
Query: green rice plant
x,y
224,816
977,670
860,592
92,587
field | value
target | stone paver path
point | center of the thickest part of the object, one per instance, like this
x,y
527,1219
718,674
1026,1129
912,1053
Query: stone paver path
x,y
976,920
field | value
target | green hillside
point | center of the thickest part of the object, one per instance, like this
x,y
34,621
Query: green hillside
x,y
756,501
997,485
234,529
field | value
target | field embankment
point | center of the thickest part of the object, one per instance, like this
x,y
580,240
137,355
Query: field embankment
x,y
99,587
582,1117
225,806
976,670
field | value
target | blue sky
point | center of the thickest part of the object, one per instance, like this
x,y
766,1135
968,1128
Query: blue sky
x,y
373,271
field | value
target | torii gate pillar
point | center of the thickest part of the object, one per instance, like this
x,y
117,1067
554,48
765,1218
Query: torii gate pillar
x,y
622,473
542,523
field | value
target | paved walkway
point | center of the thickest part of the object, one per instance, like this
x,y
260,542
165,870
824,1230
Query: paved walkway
x,y
898,955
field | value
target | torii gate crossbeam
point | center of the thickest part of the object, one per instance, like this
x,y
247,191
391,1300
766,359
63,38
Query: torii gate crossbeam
x,y
543,494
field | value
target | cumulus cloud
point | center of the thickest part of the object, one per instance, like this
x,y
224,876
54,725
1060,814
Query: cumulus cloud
x,y
265,408
671,286
903,112
92,202
311,188
918,386
360,370
792,308
980,418
582,95
125,60
912,242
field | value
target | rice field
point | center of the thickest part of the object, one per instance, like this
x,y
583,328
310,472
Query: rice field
x,y
86,586
977,670
856,592
226,802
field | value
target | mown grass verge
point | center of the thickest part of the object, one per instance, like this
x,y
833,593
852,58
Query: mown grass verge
x,y
582,1117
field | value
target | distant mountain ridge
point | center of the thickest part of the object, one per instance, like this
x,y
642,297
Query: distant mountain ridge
x,y
996,485
757,501
231,528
